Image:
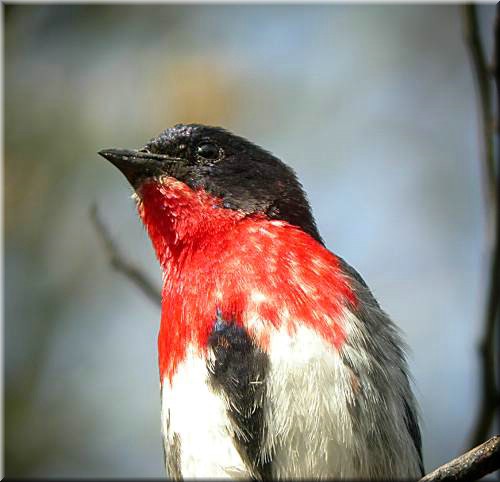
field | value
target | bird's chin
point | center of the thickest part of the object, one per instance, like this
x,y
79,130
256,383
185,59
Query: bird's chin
x,y
160,183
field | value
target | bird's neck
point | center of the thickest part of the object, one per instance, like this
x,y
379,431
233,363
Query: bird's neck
x,y
249,270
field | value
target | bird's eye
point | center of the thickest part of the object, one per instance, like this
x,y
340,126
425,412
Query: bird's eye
x,y
207,150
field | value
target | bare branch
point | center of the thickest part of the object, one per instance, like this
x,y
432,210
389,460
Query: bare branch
x,y
473,465
121,264
490,396
482,73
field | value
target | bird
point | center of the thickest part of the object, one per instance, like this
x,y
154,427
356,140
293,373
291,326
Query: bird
x,y
275,359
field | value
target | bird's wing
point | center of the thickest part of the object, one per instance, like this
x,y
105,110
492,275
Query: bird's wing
x,y
370,314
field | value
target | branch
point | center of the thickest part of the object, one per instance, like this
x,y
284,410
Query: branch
x,y
120,263
473,465
482,73
490,396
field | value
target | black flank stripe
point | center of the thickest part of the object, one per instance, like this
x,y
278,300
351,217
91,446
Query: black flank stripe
x,y
238,368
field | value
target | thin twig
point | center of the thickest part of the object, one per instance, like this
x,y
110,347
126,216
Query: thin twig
x,y
120,263
490,396
473,465
482,73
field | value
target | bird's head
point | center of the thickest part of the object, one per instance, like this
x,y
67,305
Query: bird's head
x,y
240,175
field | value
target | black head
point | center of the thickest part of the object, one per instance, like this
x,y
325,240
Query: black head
x,y
243,175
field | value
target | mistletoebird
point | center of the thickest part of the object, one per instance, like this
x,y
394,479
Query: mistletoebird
x,y
275,359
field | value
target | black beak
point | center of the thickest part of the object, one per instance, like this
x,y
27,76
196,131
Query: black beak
x,y
139,165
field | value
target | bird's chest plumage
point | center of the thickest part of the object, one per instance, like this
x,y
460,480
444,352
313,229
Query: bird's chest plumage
x,y
263,276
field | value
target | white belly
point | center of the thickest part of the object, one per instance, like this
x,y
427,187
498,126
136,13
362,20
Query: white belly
x,y
307,392
311,433
192,412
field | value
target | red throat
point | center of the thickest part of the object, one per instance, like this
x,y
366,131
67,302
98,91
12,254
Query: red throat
x,y
263,274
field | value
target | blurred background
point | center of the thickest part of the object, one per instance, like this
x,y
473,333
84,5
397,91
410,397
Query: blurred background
x,y
373,106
